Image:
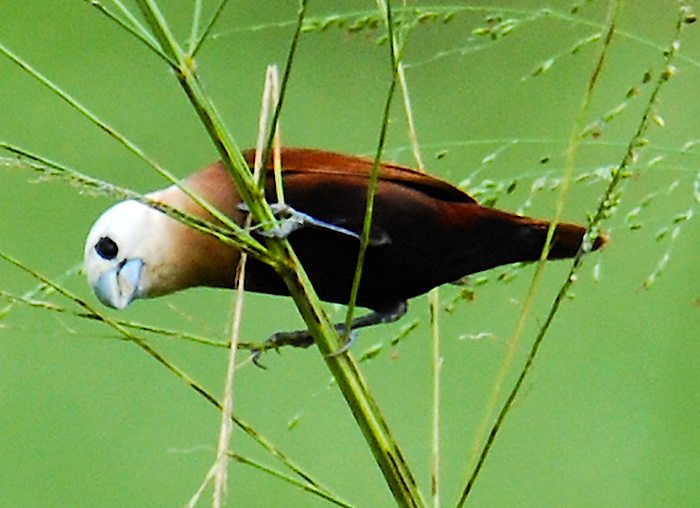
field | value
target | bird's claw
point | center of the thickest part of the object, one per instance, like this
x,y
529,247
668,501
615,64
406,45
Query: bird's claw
x,y
257,352
352,337
291,219
302,338
255,355
299,338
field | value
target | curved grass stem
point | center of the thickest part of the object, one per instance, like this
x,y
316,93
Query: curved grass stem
x,y
343,367
608,201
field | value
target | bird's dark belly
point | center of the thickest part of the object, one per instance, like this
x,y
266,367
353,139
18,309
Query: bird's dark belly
x,y
390,274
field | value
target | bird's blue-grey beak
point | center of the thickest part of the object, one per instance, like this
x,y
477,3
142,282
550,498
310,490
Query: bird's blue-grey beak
x,y
118,286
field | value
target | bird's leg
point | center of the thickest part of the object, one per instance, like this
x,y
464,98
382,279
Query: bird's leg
x,y
373,318
292,219
303,339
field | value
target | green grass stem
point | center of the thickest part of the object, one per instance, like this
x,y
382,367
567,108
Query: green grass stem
x,y
343,367
170,366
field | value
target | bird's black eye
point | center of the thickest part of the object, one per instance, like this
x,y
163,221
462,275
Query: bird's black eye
x,y
106,248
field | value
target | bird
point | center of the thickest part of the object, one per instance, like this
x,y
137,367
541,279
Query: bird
x,y
425,232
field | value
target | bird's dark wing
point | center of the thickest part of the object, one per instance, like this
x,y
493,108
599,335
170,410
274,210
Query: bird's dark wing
x,y
319,162
413,227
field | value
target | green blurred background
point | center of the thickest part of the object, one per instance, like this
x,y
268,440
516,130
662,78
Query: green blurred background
x,y
609,416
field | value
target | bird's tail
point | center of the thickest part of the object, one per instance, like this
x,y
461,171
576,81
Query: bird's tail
x,y
567,239
503,238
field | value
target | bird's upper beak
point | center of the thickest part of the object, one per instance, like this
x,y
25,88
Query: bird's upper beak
x,y
118,286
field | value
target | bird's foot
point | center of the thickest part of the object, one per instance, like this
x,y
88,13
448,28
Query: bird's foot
x,y
303,339
298,338
351,338
291,219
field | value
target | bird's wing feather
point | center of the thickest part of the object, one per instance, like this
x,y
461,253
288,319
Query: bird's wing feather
x,y
319,162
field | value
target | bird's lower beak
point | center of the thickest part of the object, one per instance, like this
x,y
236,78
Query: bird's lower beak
x,y
118,286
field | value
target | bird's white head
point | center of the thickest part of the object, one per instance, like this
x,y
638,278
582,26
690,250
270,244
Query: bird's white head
x,y
135,251
124,252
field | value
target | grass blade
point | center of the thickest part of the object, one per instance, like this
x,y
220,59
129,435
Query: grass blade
x,y
343,367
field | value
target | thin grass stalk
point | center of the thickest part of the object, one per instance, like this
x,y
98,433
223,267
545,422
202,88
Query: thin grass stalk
x,y
307,487
572,150
134,21
194,500
194,49
374,172
241,459
171,367
135,29
277,146
301,14
237,238
412,133
120,138
524,12
53,307
194,28
225,144
42,289
221,465
271,96
343,367
434,309
436,363
604,207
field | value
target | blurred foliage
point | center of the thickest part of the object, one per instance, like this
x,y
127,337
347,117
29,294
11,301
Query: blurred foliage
x,y
607,417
